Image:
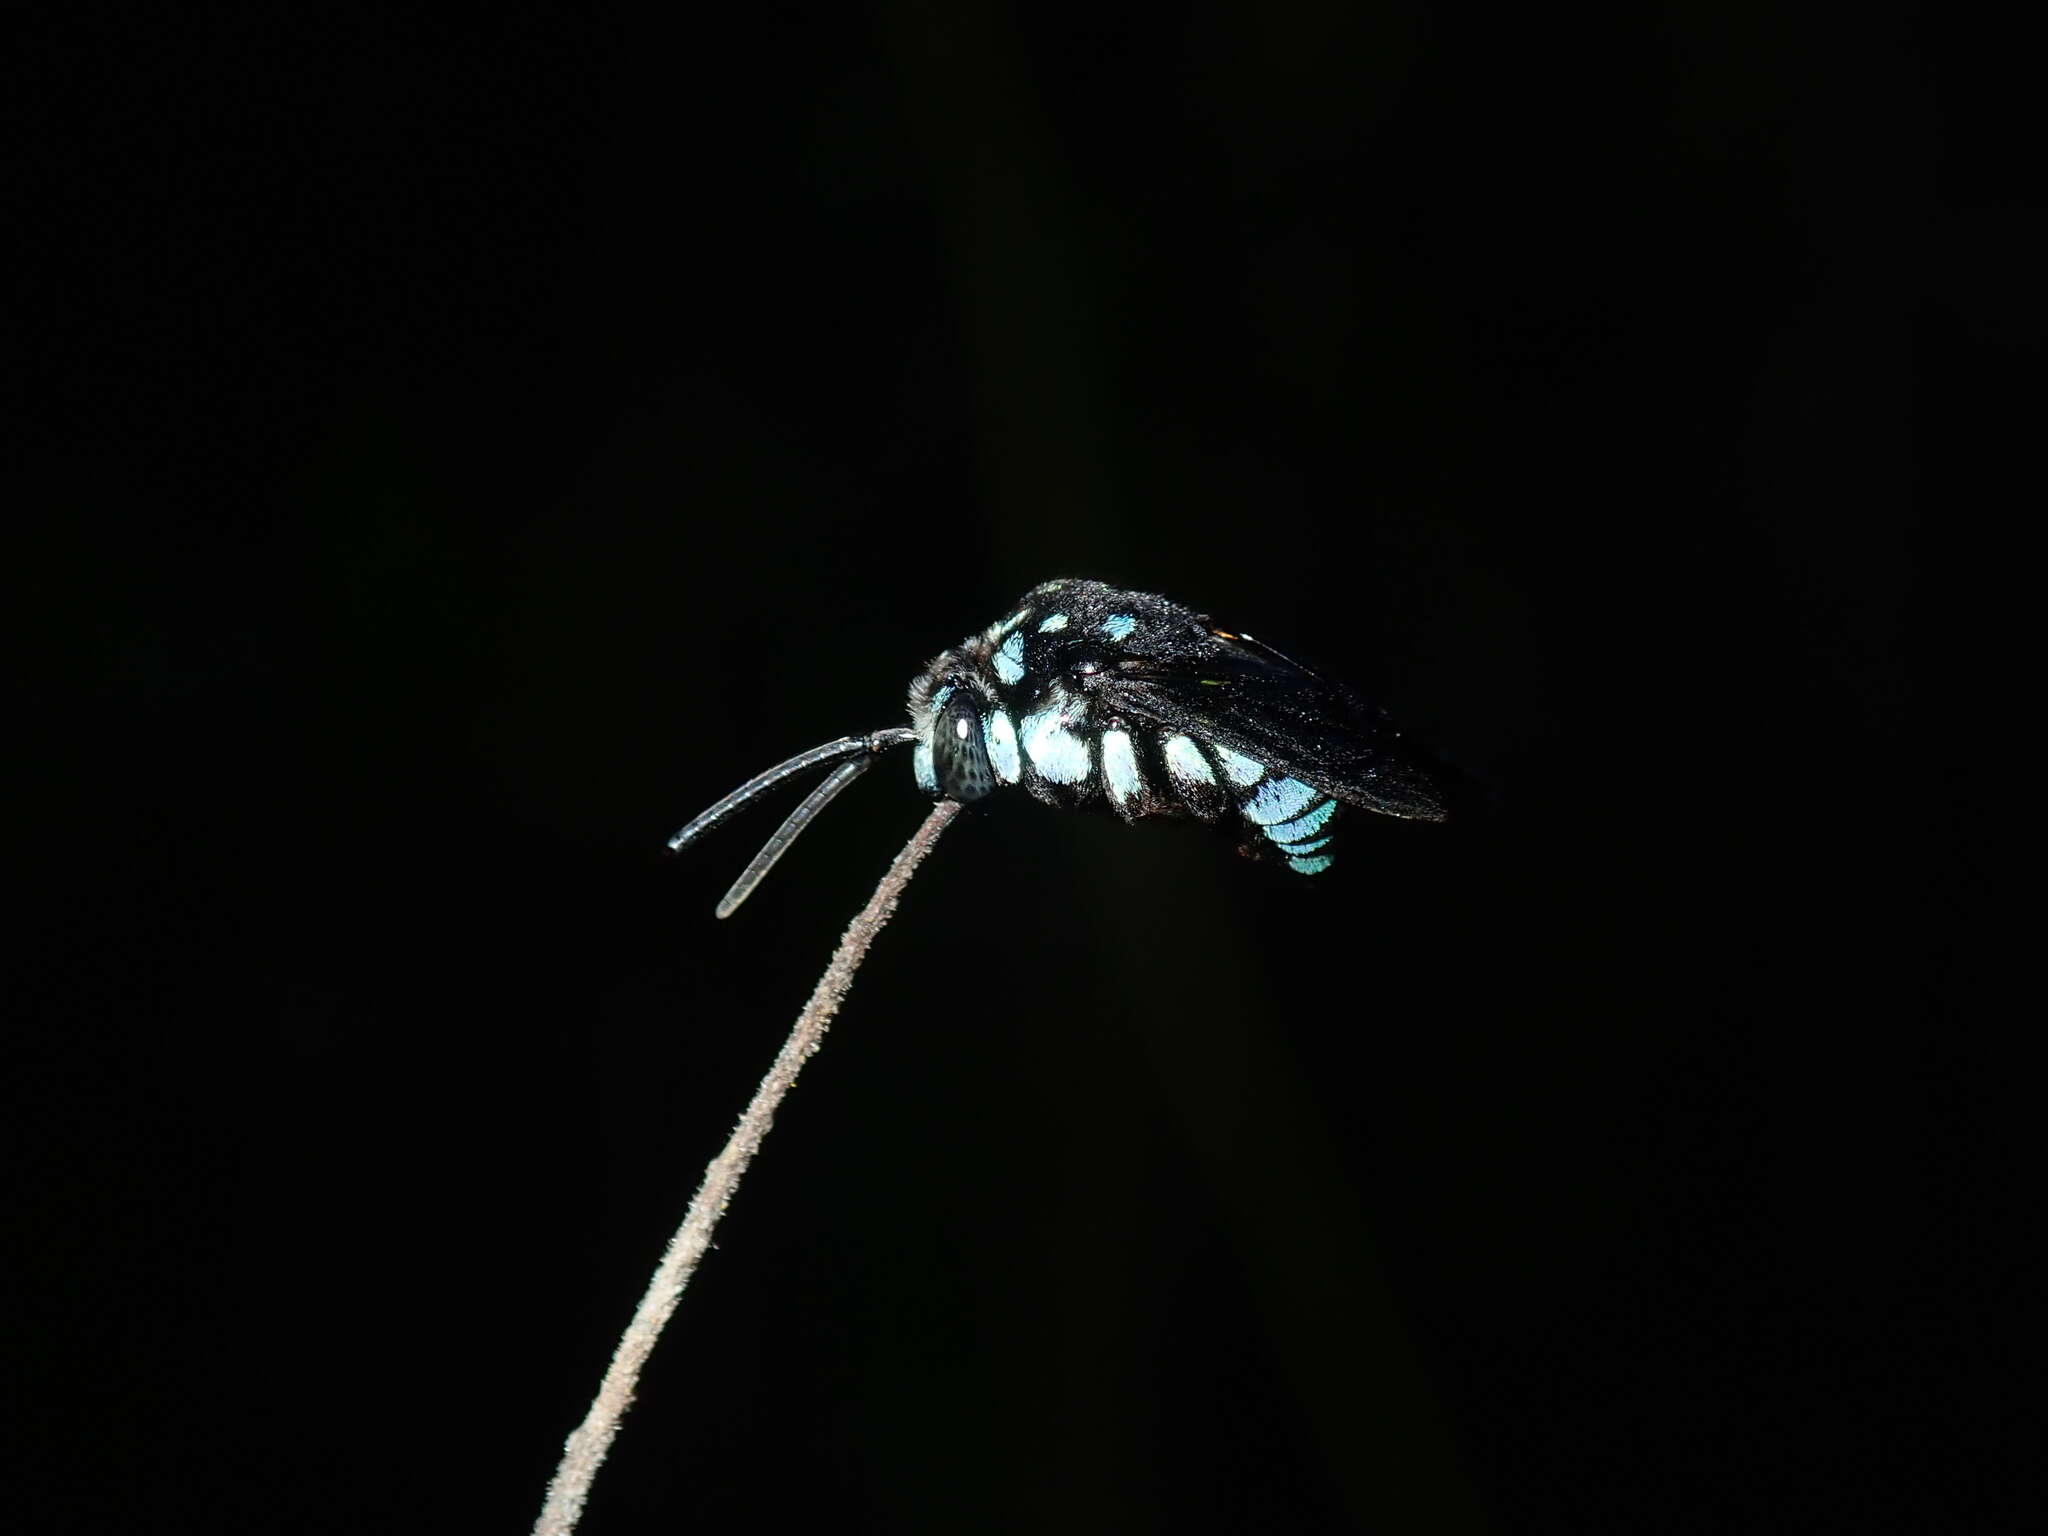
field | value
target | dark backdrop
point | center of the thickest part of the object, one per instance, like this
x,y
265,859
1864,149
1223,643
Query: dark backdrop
x,y
464,448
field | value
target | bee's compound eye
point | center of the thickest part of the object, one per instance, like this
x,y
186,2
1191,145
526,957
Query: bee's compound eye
x,y
959,753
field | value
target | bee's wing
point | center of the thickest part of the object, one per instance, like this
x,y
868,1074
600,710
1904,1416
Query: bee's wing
x,y
1256,701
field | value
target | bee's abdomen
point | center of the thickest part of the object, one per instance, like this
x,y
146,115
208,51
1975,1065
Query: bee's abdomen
x,y
1139,771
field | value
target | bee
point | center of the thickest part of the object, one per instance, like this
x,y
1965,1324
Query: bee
x,y
1094,698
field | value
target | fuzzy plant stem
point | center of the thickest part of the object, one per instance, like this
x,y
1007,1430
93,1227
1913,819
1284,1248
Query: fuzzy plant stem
x,y
585,1450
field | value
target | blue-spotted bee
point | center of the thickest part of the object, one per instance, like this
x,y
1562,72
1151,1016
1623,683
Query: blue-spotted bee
x,y
1091,697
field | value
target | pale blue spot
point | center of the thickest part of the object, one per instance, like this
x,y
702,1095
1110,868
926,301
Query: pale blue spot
x,y
1001,738
1010,660
1239,768
1117,625
921,765
1185,762
1056,752
1314,866
1303,826
1277,801
939,698
1120,766
1309,847
1052,622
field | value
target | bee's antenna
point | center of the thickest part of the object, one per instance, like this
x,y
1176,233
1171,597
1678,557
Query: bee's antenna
x,y
786,834
860,749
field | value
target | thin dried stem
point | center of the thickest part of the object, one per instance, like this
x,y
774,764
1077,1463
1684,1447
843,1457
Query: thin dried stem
x,y
585,1450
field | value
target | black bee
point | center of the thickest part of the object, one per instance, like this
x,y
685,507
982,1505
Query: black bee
x,y
1093,697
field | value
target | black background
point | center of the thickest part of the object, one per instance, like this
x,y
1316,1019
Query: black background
x,y
461,448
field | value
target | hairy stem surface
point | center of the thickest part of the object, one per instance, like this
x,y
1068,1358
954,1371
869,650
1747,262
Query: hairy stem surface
x,y
585,1450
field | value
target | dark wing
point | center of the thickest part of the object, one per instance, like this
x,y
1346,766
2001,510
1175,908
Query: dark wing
x,y
1246,695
